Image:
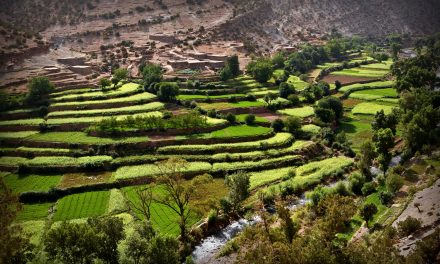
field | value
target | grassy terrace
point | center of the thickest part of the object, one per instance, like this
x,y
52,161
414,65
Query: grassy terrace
x,y
357,129
370,108
361,72
154,106
259,119
21,134
374,94
196,97
81,205
82,138
94,119
297,83
27,183
54,160
133,98
125,89
359,86
224,106
302,112
278,140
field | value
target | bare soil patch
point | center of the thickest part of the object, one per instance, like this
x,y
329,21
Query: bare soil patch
x,y
79,179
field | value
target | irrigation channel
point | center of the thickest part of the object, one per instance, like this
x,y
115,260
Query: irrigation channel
x,y
210,247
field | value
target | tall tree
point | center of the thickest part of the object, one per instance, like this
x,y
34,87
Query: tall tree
x,y
383,141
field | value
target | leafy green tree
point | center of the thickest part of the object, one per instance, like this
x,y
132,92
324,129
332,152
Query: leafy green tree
x,y
338,85
231,118
39,87
335,48
277,125
294,99
289,227
234,65
110,231
385,121
71,243
151,73
250,120
120,74
356,181
278,60
286,90
104,83
15,247
261,69
293,125
239,185
269,97
333,104
394,182
368,211
225,74
324,114
167,91
383,140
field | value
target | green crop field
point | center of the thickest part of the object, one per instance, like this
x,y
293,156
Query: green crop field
x,y
360,86
154,106
125,89
246,165
311,128
361,72
240,131
21,134
357,129
302,112
27,183
195,97
37,211
81,137
81,205
95,119
259,119
223,106
297,83
370,108
374,94
133,98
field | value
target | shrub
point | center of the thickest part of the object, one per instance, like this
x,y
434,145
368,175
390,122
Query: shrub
x,y
38,88
167,91
293,124
368,188
231,118
232,99
250,119
385,197
261,69
225,74
286,90
294,99
104,83
356,181
408,226
212,113
277,125
250,97
394,182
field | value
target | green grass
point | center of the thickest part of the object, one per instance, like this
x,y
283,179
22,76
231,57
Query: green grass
x,y
154,106
116,203
302,112
258,179
357,129
259,119
81,205
386,65
374,94
39,150
329,65
133,98
311,129
21,134
95,119
30,121
35,229
82,138
26,183
34,212
297,83
370,108
223,106
66,161
358,86
247,165
12,160
195,96
361,72
240,131
125,89
151,170
277,140
163,219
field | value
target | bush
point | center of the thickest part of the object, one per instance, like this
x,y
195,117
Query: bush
x,y
231,118
286,90
167,91
250,97
261,69
356,181
212,113
250,119
277,125
232,99
394,182
225,74
293,125
368,188
408,226
385,197
38,88
294,99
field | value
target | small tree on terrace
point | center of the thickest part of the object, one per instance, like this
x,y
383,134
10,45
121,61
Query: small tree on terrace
x,y
144,195
177,193
383,140
38,88
151,73
167,91
368,211
261,69
233,65
104,83
120,74
239,189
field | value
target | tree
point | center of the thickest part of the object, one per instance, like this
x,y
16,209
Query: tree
x,y
366,157
278,60
394,182
151,73
39,87
368,211
120,74
338,85
225,74
408,226
269,97
231,118
286,90
277,125
104,83
15,247
144,195
289,227
395,50
334,104
238,184
233,64
294,99
356,181
110,231
167,91
293,125
324,114
383,140
177,193
71,243
250,120
261,69
336,212
385,121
